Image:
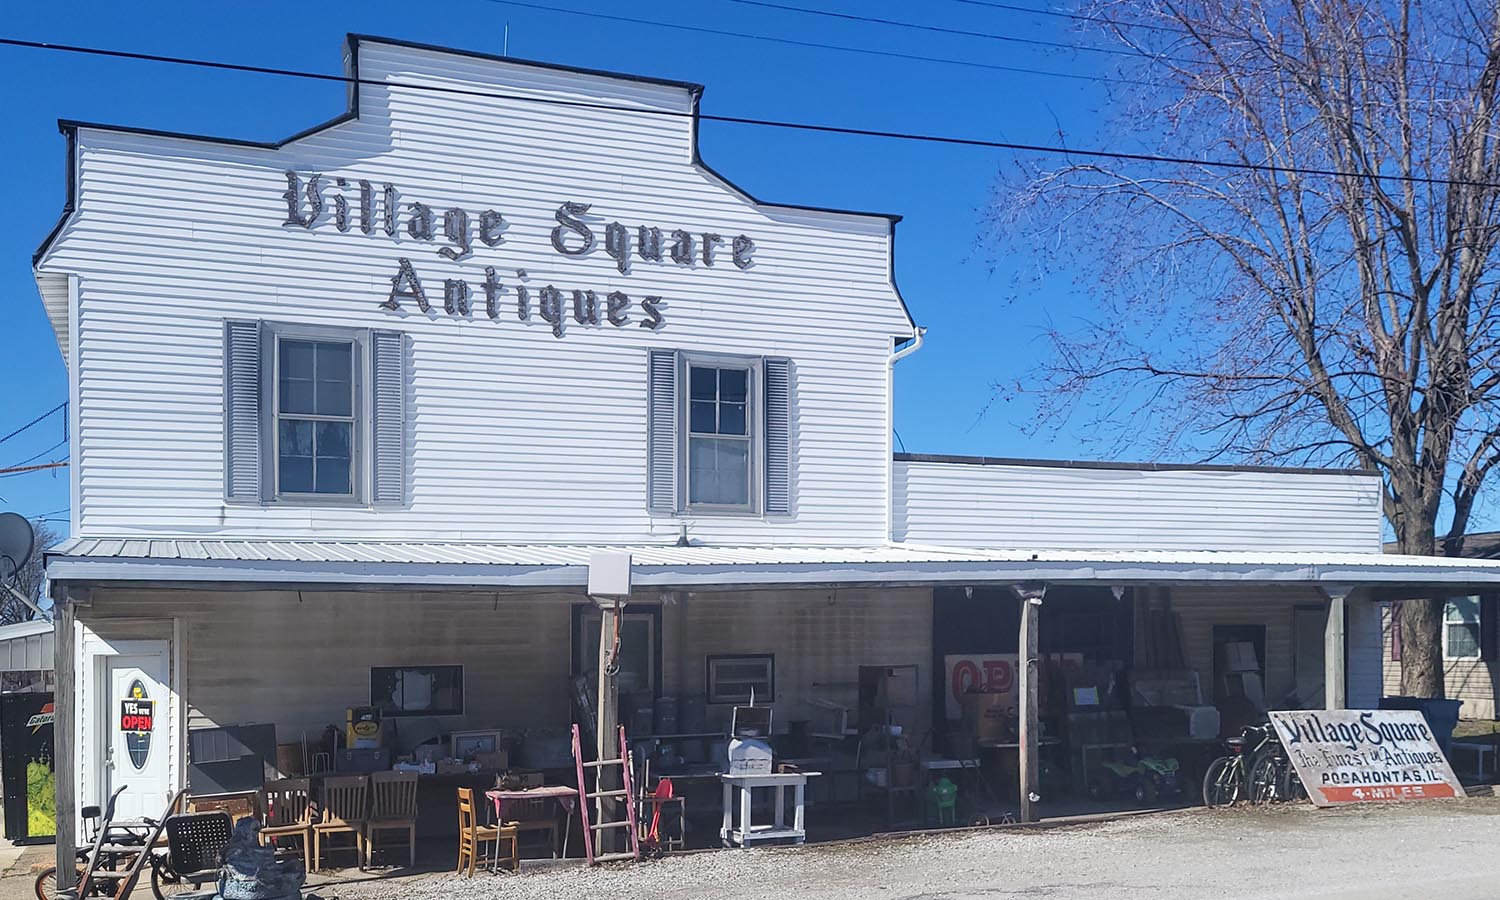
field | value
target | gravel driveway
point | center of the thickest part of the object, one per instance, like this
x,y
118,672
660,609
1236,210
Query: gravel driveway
x,y
1442,849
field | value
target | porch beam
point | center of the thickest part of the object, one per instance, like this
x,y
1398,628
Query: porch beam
x,y
64,752
1335,677
1028,754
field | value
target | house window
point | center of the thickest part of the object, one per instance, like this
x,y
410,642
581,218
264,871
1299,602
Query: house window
x,y
736,679
417,690
720,436
638,659
1461,628
315,428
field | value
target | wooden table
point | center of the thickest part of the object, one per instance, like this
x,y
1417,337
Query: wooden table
x,y
748,832
564,795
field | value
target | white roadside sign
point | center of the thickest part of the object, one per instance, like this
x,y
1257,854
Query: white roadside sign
x,y
1365,755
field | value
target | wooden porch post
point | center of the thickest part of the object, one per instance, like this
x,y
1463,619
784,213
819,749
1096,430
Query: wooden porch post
x,y
1335,679
605,739
64,750
1031,595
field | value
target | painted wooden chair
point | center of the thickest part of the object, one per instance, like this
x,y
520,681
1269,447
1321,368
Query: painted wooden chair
x,y
290,813
472,837
393,807
345,807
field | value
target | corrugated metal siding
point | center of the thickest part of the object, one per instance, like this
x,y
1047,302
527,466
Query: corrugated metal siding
x,y
1053,506
517,435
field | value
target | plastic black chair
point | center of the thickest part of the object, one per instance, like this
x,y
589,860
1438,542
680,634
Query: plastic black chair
x,y
195,847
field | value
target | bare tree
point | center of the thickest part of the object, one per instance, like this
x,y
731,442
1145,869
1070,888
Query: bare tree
x,y
30,581
1332,298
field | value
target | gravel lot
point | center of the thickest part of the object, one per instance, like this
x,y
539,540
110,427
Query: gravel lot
x,y
1449,850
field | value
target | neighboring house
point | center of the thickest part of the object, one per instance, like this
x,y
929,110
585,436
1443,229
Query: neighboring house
x,y
351,413
1471,624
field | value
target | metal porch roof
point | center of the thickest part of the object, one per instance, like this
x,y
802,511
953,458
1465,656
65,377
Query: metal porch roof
x,y
409,564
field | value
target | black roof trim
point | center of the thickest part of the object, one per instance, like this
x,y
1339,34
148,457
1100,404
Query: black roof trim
x,y
1130,466
352,40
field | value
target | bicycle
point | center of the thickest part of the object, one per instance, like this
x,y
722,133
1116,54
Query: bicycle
x,y
1272,778
125,840
1227,780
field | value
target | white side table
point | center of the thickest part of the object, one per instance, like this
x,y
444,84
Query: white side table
x,y
748,832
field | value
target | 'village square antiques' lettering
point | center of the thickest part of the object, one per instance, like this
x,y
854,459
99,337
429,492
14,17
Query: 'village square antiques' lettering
x,y
358,204
1350,756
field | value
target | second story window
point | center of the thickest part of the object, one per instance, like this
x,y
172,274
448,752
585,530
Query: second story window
x,y
720,457
315,417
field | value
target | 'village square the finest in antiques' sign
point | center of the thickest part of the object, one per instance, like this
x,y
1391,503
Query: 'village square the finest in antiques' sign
x,y
1364,755
455,234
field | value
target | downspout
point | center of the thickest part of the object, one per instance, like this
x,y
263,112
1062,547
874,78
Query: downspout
x,y
918,334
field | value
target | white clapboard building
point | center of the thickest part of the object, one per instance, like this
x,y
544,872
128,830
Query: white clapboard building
x,y
354,409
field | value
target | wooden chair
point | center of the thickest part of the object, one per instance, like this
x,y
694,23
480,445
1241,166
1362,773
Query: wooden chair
x,y
534,816
344,807
472,837
393,807
290,813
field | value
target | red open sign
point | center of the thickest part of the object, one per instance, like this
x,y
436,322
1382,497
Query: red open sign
x,y
137,715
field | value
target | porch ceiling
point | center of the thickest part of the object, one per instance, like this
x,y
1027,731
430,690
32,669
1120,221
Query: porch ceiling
x,y
408,565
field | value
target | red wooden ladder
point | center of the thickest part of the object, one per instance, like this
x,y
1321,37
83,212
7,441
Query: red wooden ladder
x,y
620,796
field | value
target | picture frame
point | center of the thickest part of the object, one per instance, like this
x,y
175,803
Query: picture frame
x,y
465,744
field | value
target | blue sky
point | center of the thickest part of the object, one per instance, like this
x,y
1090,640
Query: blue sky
x,y
983,328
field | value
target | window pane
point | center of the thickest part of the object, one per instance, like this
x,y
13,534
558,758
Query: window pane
x,y
703,383
333,457
334,373
295,449
1461,609
733,385
701,417
1463,641
718,471
732,418
297,359
295,395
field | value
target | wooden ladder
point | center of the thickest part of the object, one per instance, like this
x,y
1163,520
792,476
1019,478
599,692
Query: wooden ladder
x,y
620,796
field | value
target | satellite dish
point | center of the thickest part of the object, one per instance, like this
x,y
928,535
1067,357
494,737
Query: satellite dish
x,y
16,543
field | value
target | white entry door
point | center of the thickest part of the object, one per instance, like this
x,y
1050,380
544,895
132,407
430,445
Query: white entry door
x,y
137,747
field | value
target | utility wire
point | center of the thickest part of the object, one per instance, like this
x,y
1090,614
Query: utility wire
x,y
22,470
38,456
939,29
33,421
944,140
843,48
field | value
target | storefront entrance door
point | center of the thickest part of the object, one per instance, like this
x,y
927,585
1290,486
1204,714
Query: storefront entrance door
x,y
134,729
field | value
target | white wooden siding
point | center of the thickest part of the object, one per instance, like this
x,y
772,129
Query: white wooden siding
x,y
1047,506
517,435
54,291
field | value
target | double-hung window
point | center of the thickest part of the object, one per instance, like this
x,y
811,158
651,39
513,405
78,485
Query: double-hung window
x,y
1461,628
314,414
719,434
316,424
721,454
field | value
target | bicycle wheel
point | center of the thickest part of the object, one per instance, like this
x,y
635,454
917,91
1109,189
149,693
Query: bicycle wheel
x,y
1266,780
46,882
166,883
1222,784
1292,788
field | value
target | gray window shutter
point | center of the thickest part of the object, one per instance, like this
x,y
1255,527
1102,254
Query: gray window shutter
x,y
778,392
661,431
387,417
242,411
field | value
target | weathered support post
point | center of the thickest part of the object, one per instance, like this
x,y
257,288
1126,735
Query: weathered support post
x,y
64,749
1335,679
1031,595
609,586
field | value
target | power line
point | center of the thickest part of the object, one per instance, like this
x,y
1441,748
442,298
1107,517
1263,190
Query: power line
x,y
816,45
33,421
22,470
939,29
945,140
37,456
